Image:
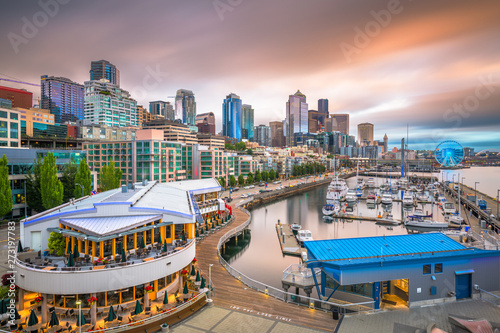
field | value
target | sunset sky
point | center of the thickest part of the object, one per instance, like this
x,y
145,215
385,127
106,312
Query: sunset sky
x,y
434,65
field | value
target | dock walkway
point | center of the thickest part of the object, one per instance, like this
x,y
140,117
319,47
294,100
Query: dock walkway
x,y
232,294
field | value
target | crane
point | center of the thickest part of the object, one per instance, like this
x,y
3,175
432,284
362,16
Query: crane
x,y
15,81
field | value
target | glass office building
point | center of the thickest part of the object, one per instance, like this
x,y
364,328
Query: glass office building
x,y
247,122
185,107
63,97
231,116
103,69
297,116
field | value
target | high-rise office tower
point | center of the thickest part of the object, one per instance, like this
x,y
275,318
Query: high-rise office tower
x,y
103,69
277,137
231,116
206,122
296,117
338,123
247,124
313,122
263,135
162,108
185,107
365,134
63,97
386,143
323,110
106,103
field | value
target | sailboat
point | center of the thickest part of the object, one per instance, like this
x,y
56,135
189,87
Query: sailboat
x,y
457,218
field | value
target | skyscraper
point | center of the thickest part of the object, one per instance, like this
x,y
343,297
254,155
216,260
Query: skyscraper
x,y
365,134
231,116
103,69
313,121
185,107
63,97
323,110
162,108
386,143
247,123
263,135
107,104
277,137
338,123
206,122
296,116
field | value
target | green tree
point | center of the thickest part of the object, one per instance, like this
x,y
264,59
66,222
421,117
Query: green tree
x,y
232,181
241,146
33,194
51,189
249,151
5,192
258,176
265,176
109,177
83,178
272,175
68,180
57,242
249,178
241,180
229,146
222,181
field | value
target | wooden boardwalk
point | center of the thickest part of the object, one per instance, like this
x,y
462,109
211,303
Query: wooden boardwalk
x,y
232,294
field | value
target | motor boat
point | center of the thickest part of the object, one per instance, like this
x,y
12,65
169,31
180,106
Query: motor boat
x,y
422,197
407,199
456,219
361,183
371,182
331,209
295,228
359,193
419,214
304,236
387,220
449,208
350,196
337,190
426,224
386,199
371,199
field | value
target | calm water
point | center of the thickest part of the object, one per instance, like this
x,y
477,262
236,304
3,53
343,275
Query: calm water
x,y
262,258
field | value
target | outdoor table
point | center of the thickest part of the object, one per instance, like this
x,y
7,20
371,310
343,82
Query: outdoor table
x,y
99,267
148,259
48,268
34,327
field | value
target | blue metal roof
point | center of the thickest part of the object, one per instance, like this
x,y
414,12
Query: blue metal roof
x,y
369,247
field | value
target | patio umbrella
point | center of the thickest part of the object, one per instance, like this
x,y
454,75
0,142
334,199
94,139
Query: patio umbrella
x,y
2,304
33,320
165,300
197,233
164,249
193,271
183,235
120,248
71,263
202,285
112,315
138,308
16,314
198,276
19,247
124,255
185,290
142,245
76,254
81,319
53,320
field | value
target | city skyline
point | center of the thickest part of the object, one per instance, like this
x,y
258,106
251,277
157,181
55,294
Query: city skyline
x,y
432,66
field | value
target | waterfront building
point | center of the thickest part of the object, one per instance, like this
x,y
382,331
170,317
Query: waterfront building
x,y
10,126
41,123
133,245
19,97
231,117
206,123
213,141
296,118
411,270
103,69
277,137
106,103
63,97
365,134
263,135
185,107
247,122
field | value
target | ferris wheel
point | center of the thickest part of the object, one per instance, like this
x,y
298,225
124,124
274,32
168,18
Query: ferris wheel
x,y
449,153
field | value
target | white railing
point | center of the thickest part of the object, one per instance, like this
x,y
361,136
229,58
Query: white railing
x,y
278,293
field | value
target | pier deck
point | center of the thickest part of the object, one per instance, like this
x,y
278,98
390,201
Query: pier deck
x,y
288,242
232,294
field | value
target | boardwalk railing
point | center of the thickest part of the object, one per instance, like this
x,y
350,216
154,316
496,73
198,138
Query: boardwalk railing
x,y
489,297
347,308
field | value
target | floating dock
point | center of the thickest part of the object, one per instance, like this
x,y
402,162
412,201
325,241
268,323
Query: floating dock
x,y
288,242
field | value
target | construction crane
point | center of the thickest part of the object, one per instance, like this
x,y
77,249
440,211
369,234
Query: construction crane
x,y
15,81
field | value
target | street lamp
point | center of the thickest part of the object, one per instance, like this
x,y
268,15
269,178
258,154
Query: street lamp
x,y
475,191
79,319
210,283
81,187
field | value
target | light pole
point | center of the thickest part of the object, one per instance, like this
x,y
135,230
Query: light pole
x,y
210,283
475,191
79,319
498,197
81,187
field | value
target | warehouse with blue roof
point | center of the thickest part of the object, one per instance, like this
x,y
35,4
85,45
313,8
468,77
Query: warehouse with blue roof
x,y
414,270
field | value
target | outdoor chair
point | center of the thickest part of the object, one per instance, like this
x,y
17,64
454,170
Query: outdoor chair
x,y
65,314
52,309
147,310
71,312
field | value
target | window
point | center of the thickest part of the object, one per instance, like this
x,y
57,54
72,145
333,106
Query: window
x,y
427,269
438,268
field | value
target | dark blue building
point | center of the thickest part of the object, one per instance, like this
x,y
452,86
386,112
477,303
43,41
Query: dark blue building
x,y
63,97
231,116
103,69
414,270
